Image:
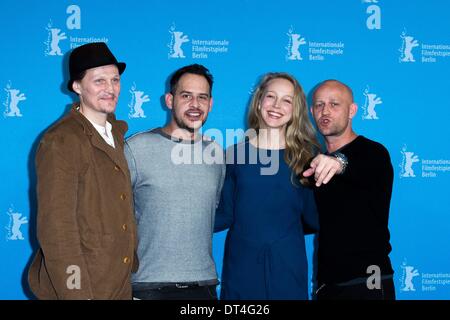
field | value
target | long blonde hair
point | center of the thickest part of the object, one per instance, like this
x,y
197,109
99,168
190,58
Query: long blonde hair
x,y
301,142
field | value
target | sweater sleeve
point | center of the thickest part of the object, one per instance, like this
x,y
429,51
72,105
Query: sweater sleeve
x,y
383,179
371,169
131,164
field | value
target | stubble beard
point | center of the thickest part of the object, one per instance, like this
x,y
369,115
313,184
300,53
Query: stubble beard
x,y
182,125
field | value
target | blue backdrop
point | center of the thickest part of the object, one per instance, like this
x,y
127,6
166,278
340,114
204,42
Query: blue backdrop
x,y
394,54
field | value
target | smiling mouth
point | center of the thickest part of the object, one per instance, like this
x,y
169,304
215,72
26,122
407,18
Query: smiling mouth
x,y
194,114
274,115
108,98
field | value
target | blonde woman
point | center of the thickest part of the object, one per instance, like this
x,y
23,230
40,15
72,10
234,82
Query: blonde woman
x,y
266,202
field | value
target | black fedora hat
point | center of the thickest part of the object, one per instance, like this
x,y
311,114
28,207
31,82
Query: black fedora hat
x,y
91,55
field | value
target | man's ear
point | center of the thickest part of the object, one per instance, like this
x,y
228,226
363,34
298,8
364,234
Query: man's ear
x,y
353,110
76,87
169,100
210,104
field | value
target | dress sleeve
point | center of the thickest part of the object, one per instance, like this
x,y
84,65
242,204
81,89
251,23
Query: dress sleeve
x,y
225,210
222,179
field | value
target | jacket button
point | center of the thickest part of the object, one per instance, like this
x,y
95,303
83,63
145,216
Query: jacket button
x,y
123,196
116,168
124,227
126,260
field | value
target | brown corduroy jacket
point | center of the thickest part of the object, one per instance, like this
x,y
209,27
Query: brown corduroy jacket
x,y
85,222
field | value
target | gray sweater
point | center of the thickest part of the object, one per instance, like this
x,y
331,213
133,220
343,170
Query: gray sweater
x,y
176,192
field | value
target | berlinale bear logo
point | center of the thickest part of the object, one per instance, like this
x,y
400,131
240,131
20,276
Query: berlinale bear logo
x,y
370,103
138,98
15,222
408,44
293,47
177,39
12,101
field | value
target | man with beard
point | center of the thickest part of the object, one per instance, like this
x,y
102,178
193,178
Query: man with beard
x,y
177,176
353,255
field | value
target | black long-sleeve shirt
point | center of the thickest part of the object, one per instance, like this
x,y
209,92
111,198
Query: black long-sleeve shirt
x,y
353,215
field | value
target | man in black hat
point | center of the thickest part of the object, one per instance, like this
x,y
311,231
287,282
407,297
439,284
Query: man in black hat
x,y
85,222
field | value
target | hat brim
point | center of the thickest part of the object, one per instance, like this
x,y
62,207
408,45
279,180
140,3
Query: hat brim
x,y
120,65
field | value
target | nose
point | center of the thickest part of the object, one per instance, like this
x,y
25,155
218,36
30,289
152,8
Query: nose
x,y
111,86
195,102
276,103
326,108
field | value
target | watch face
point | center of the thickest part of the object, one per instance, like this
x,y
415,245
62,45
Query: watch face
x,y
342,159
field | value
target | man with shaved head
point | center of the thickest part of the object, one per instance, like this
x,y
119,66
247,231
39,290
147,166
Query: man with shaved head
x,y
353,253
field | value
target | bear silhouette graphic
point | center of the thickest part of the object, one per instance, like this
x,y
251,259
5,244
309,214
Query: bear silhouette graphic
x,y
139,99
409,44
410,273
371,101
54,45
179,39
15,97
17,222
409,159
297,41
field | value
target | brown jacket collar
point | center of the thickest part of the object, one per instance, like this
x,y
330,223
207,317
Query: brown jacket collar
x,y
118,127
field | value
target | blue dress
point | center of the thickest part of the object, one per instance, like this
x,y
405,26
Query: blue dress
x,y
267,217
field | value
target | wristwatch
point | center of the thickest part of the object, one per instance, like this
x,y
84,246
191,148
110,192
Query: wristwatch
x,y
342,159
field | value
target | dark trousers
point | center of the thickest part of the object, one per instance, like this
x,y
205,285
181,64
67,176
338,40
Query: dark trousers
x,y
357,291
177,292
